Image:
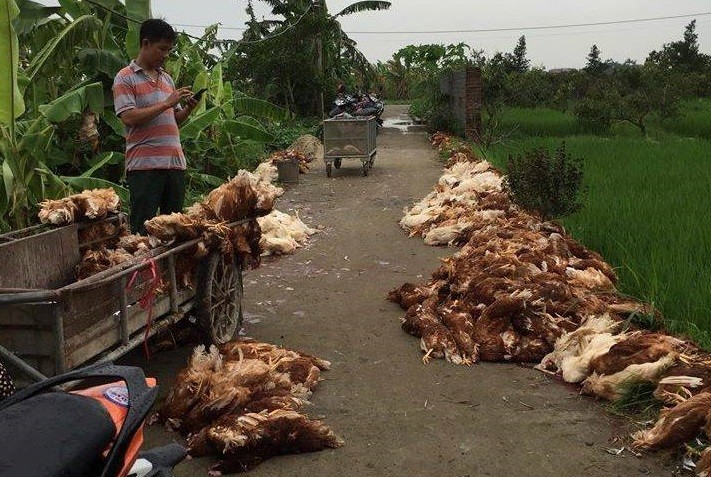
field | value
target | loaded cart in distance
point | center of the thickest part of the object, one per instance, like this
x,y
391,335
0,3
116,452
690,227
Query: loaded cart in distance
x,y
345,138
50,323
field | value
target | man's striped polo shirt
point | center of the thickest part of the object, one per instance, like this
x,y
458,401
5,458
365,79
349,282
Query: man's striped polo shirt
x,y
155,144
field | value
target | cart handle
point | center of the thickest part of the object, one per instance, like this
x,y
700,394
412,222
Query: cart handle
x,y
13,296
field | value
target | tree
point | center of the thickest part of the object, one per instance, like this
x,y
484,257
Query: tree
x,y
631,93
517,62
594,66
682,55
276,58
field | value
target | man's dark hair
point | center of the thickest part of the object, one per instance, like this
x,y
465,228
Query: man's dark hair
x,y
155,30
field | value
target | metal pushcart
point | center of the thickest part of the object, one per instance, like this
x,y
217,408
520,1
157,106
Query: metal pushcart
x,y
50,323
345,138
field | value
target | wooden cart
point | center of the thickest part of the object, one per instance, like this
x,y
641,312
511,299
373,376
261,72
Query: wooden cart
x,y
50,323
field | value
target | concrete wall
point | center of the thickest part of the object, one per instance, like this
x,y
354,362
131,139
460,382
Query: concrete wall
x,y
464,89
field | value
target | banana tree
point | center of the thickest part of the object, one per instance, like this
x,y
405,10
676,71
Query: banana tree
x,y
226,129
24,143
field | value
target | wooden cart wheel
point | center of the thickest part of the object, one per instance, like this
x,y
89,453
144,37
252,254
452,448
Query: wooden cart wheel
x,y
366,168
329,170
337,163
218,298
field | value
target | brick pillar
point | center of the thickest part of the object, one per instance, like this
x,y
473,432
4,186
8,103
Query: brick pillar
x,y
473,92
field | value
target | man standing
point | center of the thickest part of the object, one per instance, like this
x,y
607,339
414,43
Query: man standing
x,y
148,104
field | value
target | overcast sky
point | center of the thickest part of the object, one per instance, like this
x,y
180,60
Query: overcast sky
x,y
555,48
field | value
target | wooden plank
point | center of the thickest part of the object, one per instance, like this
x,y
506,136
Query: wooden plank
x,y
106,334
28,342
44,261
26,316
84,307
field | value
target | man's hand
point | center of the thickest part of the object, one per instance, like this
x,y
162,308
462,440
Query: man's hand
x,y
182,114
177,96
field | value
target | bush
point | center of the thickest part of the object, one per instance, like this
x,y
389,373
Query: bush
x,y
594,115
550,187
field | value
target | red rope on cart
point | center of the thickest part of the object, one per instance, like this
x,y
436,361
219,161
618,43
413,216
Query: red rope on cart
x,y
148,299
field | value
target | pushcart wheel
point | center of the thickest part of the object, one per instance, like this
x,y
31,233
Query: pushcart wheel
x,y
366,168
329,170
337,163
218,298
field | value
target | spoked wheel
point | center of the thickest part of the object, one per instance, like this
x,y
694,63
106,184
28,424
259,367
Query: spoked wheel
x,y
337,163
329,169
218,298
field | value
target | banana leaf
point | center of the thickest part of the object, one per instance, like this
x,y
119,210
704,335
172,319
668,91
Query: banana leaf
x,y
137,11
7,185
105,61
228,108
74,8
32,15
247,130
11,102
89,97
259,108
114,122
198,122
217,87
104,159
201,81
82,26
208,179
362,6
79,184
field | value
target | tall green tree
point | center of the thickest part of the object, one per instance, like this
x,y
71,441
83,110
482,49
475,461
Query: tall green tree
x,y
277,58
518,62
594,65
682,55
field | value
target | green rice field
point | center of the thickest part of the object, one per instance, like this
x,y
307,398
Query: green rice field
x,y
647,209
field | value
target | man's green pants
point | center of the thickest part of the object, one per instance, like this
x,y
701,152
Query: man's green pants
x,y
154,189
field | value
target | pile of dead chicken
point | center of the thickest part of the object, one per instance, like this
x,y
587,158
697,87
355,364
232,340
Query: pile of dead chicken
x,y
282,233
242,402
89,205
469,195
523,290
292,156
245,196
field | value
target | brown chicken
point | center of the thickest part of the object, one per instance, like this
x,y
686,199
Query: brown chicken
x,y
242,403
246,440
677,424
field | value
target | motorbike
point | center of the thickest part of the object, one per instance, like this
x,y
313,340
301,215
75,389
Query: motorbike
x,y
94,429
358,104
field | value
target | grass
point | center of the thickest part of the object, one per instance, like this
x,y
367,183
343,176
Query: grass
x,y
646,210
637,402
695,120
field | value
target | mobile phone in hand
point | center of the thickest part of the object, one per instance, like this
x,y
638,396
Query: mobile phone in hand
x,y
199,94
